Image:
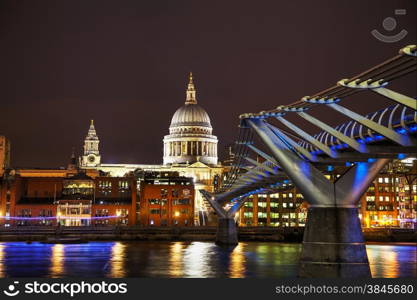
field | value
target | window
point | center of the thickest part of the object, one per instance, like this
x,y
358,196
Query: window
x,y
154,201
261,214
104,184
123,185
274,215
380,180
262,204
248,214
122,212
181,202
370,198
174,193
386,180
102,212
386,198
284,204
274,204
154,211
164,192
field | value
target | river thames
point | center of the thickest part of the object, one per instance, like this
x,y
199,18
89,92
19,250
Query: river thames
x,y
181,260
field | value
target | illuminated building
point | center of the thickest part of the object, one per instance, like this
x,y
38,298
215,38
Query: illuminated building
x,y
4,154
190,136
91,156
75,199
391,200
166,199
282,209
190,149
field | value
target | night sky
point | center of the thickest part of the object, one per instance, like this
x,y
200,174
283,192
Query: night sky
x,y
125,64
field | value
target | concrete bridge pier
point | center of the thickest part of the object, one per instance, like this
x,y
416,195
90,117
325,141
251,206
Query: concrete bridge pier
x,y
226,226
333,244
226,232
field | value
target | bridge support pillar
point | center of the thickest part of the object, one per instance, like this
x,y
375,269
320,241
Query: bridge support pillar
x,y
333,244
226,232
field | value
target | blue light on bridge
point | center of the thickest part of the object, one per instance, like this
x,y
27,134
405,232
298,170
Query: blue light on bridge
x,y
330,168
371,160
401,130
402,156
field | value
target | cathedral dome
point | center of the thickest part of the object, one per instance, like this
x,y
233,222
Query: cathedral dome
x,y
191,115
190,136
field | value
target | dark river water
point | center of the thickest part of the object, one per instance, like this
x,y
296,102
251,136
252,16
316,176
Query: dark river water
x,y
180,259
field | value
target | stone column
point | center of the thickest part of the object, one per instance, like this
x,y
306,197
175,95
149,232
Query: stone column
x,y
333,244
226,232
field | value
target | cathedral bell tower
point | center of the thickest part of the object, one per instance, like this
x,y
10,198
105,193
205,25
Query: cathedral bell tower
x,y
91,157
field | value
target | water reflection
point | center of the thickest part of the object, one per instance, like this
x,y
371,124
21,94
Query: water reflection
x,y
237,262
175,259
2,273
197,258
180,259
57,261
117,260
392,261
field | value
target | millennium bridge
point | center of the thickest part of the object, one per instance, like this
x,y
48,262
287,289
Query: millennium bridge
x,y
356,150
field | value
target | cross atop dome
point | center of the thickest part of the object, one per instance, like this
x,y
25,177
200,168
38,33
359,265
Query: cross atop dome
x,y
191,98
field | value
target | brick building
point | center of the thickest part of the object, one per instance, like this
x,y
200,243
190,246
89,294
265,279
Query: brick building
x,y
166,199
73,199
